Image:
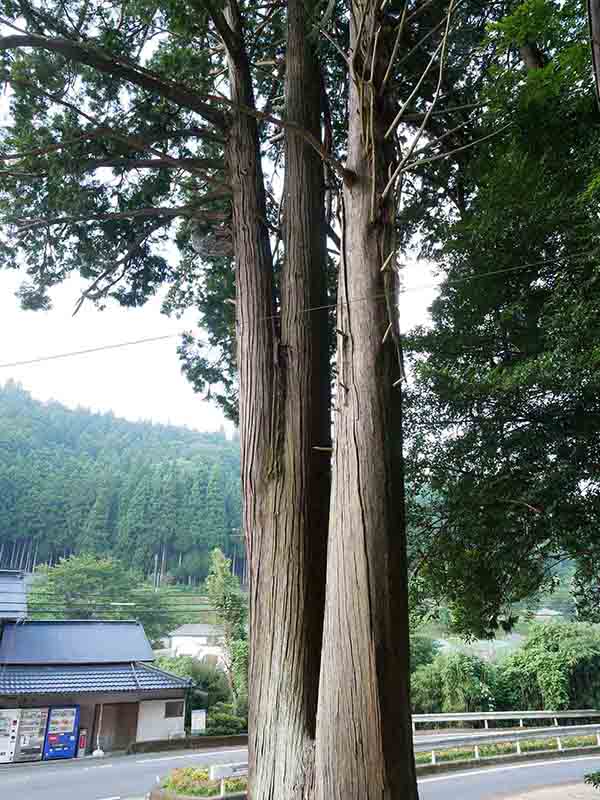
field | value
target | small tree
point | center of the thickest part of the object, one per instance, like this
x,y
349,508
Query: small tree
x,y
229,602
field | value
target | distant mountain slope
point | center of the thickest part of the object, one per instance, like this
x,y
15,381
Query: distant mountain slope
x,y
73,481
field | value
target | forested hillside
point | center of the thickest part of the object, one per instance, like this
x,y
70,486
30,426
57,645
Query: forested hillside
x,y
74,481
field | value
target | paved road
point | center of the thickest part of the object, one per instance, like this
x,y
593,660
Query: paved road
x,y
92,779
131,776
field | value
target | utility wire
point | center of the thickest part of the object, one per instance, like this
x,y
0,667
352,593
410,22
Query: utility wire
x,y
88,350
327,306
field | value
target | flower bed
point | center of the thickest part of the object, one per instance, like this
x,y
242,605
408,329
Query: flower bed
x,y
194,782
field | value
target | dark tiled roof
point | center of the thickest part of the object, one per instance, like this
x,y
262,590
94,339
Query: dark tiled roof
x,y
97,678
78,642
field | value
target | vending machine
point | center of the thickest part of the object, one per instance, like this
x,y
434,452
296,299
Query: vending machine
x,y
61,734
31,734
9,724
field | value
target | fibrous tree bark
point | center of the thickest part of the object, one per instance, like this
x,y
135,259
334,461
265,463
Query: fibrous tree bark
x,y
284,414
594,23
364,735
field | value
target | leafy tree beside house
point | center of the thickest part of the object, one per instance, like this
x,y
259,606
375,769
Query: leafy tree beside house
x,y
93,587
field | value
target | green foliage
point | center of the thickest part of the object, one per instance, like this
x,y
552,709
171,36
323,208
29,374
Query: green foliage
x,y
207,678
503,417
593,779
423,650
231,609
455,682
557,668
93,587
77,482
226,597
223,720
195,782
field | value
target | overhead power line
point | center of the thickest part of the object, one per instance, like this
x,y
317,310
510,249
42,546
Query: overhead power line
x,y
309,309
88,350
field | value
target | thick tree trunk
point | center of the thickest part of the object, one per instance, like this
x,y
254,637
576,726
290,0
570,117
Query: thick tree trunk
x,y
594,22
364,736
284,413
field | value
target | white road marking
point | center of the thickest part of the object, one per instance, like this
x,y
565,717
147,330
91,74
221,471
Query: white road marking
x,y
195,754
486,771
116,797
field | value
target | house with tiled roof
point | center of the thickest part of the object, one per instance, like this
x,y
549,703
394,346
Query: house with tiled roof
x,y
97,676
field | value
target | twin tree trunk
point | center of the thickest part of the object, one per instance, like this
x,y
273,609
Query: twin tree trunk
x,y
284,414
329,710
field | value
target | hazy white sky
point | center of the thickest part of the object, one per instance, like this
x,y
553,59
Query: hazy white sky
x,y
141,381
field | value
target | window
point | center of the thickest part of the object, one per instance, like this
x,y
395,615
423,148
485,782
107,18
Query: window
x,y
174,709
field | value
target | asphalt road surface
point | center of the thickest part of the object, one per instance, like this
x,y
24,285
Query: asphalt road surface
x,y
124,777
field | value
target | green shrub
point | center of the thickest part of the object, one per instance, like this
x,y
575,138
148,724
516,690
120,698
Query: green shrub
x,y
195,782
223,721
593,779
455,682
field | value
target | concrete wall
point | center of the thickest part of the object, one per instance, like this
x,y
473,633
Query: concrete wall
x,y
152,723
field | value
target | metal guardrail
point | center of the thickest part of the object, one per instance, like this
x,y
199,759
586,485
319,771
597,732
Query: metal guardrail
x,y
490,716
434,743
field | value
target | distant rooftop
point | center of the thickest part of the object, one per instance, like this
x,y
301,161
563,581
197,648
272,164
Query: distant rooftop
x,y
13,595
74,642
198,629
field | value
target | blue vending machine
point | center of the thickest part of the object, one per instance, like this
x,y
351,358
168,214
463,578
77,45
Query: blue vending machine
x,y
61,734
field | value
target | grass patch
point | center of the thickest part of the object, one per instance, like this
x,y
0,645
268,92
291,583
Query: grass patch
x,y
195,783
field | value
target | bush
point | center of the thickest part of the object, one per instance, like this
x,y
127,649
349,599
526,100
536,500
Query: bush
x,y
223,721
456,682
423,650
593,779
195,782
206,677
556,668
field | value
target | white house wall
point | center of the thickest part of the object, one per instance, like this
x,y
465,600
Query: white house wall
x,y
153,725
196,647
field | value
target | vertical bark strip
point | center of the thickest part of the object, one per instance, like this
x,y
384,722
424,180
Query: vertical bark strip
x,y
594,23
284,413
364,737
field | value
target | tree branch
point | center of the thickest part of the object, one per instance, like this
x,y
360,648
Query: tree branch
x,y
110,133
152,163
230,38
118,68
190,212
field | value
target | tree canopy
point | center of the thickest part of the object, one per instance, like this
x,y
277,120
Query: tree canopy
x,y
504,411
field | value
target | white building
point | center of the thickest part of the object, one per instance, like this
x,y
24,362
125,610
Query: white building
x,y
202,641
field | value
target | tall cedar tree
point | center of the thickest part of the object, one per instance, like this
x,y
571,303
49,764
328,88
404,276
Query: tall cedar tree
x,y
137,91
